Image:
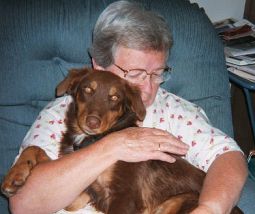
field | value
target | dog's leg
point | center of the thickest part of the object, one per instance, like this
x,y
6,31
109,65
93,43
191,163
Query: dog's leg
x,y
179,204
19,172
79,202
182,204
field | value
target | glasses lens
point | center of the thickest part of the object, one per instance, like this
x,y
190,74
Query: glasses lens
x,y
136,75
161,77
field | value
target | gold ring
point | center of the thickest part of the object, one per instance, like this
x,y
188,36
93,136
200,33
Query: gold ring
x,y
159,147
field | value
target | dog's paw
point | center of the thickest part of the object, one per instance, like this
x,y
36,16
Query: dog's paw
x,y
16,178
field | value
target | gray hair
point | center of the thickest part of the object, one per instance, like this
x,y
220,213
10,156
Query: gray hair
x,y
126,24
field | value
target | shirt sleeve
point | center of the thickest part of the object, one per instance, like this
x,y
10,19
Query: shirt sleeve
x,y
190,124
47,130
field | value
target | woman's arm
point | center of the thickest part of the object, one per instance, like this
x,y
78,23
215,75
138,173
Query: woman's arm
x,y
55,184
223,184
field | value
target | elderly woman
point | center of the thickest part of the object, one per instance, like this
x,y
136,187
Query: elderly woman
x,y
134,44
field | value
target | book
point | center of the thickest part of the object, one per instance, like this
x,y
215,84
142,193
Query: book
x,y
241,40
237,32
245,68
238,38
224,25
241,60
240,49
240,73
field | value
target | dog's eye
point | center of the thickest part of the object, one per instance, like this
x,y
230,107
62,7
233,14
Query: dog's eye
x,y
114,98
88,90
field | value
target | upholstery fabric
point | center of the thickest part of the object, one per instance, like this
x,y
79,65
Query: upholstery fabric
x,y
41,40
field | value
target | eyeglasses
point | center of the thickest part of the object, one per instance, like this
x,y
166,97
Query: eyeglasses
x,y
138,75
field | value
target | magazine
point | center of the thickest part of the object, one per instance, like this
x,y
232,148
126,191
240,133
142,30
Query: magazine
x,y
240,49
242,74
246,68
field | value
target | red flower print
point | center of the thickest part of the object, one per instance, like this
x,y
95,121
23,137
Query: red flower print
x,y
180,117
51,122
154,111
193,143
162,120
199,131
36,135
172,116
38,126
212,131
39,118
63,105
212,141
179,137
189,123
167,105
226,148
60,122
197,116
53,136
177,100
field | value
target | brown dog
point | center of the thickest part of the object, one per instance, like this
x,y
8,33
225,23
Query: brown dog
x,y
103,103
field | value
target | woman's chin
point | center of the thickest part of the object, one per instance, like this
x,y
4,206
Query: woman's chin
x,y
147,103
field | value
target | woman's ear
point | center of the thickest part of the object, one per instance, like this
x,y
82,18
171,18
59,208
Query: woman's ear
x,y
96,66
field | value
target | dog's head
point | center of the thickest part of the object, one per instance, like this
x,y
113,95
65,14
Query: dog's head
x,y
101,98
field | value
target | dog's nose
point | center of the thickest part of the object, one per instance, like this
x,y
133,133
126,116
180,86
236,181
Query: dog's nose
x,y
93,122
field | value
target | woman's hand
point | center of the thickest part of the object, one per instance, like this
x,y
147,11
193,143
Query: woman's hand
x,y
140,144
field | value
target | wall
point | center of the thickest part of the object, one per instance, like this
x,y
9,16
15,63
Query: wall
x,y
221,9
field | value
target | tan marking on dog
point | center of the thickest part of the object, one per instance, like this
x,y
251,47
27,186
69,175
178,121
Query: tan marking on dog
x,y
81,201
113,91
102,184
110,118
93,85
106,177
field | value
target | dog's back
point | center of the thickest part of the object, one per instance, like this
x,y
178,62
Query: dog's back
x,y
144,186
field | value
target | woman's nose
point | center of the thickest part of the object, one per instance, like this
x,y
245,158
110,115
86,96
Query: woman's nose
x,y
146,85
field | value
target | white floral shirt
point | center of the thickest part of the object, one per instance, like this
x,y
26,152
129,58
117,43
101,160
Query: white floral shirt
x,y
181,118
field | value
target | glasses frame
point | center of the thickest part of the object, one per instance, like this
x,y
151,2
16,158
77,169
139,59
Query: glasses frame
x,y
125,71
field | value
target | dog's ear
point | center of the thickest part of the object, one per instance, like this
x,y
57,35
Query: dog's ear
x,y
133,95
70,83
